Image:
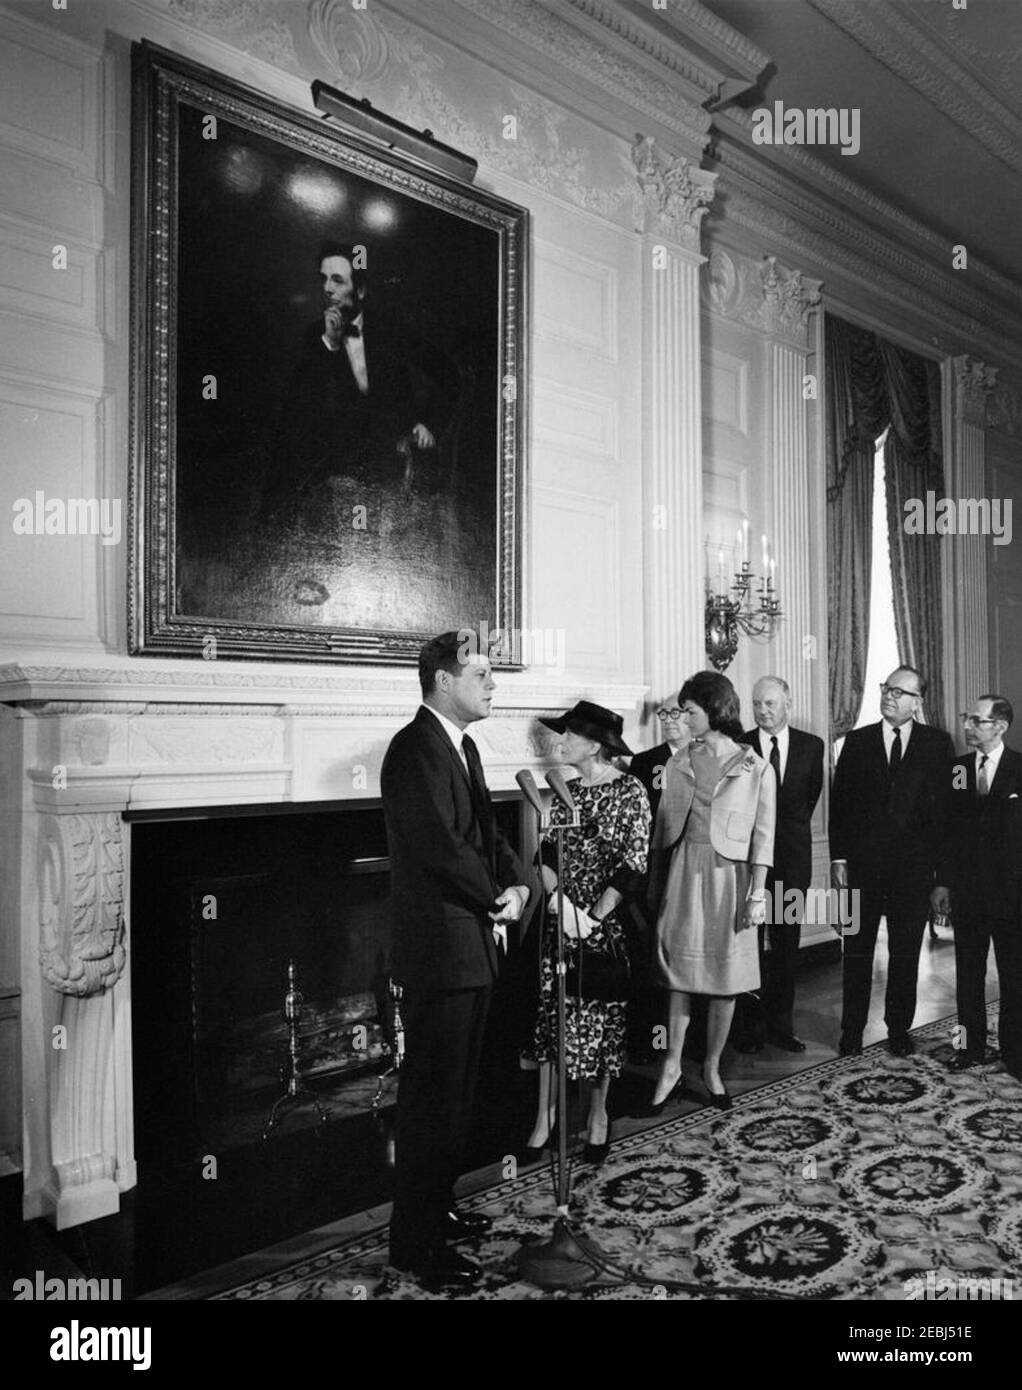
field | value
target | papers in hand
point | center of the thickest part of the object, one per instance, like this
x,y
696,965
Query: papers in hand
x,y
577,922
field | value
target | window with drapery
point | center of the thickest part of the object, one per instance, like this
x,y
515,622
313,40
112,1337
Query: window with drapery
x,y
876,388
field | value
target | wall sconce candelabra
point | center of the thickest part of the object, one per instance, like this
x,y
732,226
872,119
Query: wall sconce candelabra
x,y
748,605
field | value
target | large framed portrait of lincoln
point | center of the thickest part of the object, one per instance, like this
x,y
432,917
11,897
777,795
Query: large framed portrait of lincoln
x,y
328,384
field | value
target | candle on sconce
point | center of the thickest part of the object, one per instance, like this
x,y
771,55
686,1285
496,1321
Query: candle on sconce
x,y
766,557
745,541
773,572
721,572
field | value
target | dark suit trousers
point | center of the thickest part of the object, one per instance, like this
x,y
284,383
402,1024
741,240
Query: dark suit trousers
x,y
443,1044
773,1011
907,907
973,936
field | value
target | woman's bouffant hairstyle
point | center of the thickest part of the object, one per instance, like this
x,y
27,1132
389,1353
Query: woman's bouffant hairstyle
x,y
715,696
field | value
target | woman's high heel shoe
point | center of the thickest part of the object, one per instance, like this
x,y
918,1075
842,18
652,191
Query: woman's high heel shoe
x,y
531,1154
719,1101
597,1153
679,1089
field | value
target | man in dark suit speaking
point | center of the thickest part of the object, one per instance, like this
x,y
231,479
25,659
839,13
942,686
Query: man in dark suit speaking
x,y
797,760
885,826
980,880
456,885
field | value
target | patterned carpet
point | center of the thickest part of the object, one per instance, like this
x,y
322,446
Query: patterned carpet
x,y
860,1178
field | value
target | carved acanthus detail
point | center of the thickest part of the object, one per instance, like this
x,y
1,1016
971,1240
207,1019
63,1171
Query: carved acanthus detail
x,y
763,295
81,903
675,194
787,300
974,381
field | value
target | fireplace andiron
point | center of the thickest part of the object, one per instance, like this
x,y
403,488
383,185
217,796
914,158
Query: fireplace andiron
x,y
295,1092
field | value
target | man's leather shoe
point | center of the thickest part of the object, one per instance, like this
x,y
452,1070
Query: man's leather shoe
x,y
787,1042
445,1269
849,1047
900,1045
963,1061
465,1225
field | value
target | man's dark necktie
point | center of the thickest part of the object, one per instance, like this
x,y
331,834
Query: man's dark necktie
x,y
982,777
775,759
895,762
480,795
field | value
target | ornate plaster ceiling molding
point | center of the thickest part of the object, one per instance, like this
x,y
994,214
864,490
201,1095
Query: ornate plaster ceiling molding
x,y
867,270
834,236
903,46
607,60
762,294
254,26
832,184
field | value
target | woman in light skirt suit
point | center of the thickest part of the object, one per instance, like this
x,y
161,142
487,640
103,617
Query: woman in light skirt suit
x,y
712,847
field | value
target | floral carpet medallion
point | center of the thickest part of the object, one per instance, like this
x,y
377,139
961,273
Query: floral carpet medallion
x,y
864,1177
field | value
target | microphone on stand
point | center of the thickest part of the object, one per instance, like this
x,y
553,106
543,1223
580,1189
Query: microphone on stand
x,y
530,791
559,786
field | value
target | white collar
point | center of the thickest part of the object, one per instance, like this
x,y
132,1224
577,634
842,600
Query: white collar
x,y
450,728
888,732
993,758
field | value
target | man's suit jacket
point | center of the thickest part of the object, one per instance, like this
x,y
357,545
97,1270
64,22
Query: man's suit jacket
x,y
981,858
741,815
327,426
890,831
800,791
447,863
648,767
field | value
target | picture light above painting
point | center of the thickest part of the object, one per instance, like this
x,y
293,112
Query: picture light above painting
x,y
328,383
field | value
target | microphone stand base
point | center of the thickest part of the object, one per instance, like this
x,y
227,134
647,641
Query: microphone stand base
x,y
565,1261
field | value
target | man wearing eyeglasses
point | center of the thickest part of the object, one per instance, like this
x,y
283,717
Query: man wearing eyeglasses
x,y
885,833
981,881
649,766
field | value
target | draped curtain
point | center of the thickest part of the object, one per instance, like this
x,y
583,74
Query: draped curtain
x,y
872,384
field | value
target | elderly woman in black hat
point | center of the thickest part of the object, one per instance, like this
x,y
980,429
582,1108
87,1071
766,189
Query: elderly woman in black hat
x,y
605,859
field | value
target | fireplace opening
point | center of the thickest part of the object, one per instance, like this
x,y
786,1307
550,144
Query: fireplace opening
x,y
221,902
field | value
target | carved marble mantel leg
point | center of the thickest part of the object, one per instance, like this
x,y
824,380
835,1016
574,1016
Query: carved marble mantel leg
x,y
81,954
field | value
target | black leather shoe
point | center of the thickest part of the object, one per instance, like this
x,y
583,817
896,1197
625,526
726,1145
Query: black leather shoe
x,y
900,1045
787,1042
446,1269
529,1156
963,1061
465,1225
849,1047
679,1091
719,1102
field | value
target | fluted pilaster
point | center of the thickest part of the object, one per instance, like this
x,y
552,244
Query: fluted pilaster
x,y
674,196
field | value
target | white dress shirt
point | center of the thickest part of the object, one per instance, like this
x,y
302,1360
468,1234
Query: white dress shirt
x,y
453,733
355,347
783,741
993,758
888,732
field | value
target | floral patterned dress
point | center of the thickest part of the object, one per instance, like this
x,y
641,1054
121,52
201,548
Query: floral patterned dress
x,y
607,850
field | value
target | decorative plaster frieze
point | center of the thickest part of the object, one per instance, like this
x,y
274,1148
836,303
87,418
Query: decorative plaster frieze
x,y
762,295
974,381
1004,411
605,65
81,902
362,49
235,740
674,193
901,44
251,25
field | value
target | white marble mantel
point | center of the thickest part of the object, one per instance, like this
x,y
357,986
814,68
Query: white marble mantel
x,y
84,743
